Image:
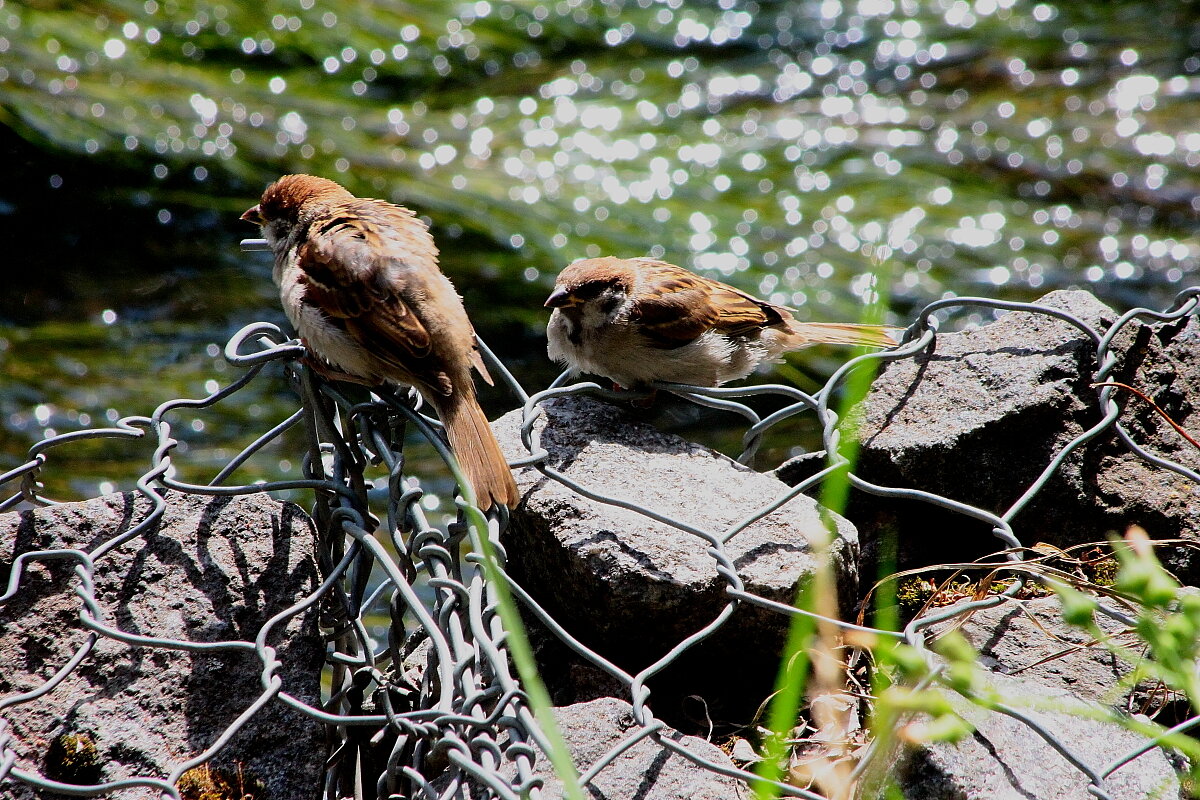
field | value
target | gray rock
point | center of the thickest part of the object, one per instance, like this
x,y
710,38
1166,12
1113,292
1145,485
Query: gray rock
x,y
982,413
1029,639
633,588
1005,760
647,771
212,569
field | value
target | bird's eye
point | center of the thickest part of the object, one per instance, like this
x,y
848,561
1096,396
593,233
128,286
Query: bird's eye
x,y
590,290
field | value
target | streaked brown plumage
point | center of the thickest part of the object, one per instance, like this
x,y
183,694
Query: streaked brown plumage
x,y
638,320
359,280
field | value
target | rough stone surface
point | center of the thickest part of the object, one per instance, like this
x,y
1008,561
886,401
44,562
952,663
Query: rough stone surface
x,y
646,771
1029,639
1005,760
982,413
212,569
633,588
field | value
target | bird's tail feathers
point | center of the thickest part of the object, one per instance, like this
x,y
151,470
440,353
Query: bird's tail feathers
x,y
804,334
477,450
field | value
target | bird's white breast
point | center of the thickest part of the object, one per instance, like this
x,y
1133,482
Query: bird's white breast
x,y
611,347
320,335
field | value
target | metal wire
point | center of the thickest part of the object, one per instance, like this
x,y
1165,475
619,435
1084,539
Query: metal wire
x,y
467,730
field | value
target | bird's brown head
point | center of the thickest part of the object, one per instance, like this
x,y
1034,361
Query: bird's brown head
x,y
592,278
293,199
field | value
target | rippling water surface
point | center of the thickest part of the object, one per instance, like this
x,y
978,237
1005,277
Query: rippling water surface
x,y
822,154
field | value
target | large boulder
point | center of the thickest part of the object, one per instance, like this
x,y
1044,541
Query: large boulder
x,y
212,569
632,587
980,414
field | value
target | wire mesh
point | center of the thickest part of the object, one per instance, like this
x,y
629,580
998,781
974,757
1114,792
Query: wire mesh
x,y
467,729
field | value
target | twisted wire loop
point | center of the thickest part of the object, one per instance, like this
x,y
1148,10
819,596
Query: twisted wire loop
x,y
430,708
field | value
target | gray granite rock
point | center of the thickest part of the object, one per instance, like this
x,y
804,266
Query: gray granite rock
x,y
647,771
1005,760
977,417
632,587
212,569
1029,639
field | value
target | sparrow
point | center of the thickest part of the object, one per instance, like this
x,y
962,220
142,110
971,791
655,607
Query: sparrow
x,y
359,280
637,320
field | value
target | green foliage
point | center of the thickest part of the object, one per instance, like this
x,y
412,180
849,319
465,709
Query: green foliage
x,y
785,704
910,700
962,664
1168,618
1078,607
1142,578
908,691
1167,624
912,594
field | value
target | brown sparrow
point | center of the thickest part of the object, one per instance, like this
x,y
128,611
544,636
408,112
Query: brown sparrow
x,y
635,320
359,280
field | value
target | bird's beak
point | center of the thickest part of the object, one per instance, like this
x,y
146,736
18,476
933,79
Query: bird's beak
x,y
254,215
560,297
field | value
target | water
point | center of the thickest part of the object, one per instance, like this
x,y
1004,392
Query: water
x,y
818,153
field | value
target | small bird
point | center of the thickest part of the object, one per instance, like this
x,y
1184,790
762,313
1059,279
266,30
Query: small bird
x,y
359,280
636,320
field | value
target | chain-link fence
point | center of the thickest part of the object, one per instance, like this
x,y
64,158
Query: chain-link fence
x,y
426,583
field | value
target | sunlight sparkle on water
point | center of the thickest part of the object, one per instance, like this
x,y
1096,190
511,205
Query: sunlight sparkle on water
x,y
1154,144
1135,91
630,139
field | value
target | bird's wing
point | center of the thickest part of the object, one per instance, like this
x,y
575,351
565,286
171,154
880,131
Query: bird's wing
x,y
675,306
347,262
